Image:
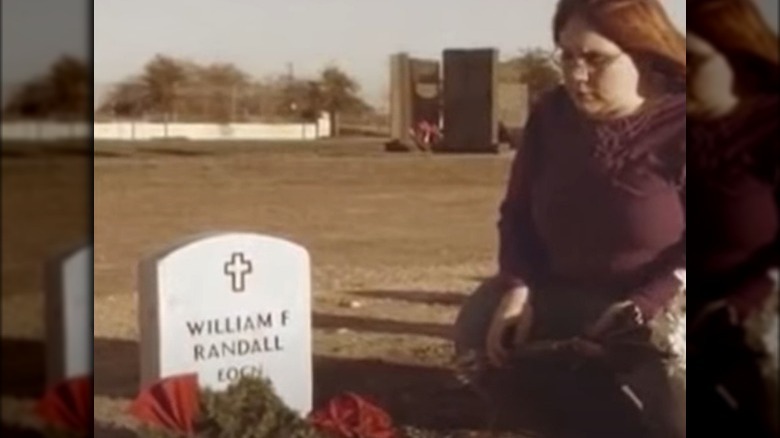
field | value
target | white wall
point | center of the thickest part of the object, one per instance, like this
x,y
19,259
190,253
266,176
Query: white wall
x,y
150,131
33,130
208,131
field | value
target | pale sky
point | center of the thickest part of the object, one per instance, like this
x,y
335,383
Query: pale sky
x,y
262,36
36,32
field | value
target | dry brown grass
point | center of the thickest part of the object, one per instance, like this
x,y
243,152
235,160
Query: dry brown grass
x,y
404,235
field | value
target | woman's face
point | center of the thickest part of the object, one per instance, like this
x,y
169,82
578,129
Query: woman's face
x,y
602,80
710,79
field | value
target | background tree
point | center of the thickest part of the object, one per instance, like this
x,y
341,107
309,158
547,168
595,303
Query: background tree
x,y
303,99
33,100
537,68
223,88
70,81
340,95
162,77
63,93
128,99
223,93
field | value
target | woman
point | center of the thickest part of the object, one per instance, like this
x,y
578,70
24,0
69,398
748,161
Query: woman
x,y
734,162
592,228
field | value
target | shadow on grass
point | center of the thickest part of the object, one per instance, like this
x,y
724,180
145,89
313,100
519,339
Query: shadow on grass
x,y
23,365
361,324
44,148
105,153
415,296
102,431
117,368
20,432
171,151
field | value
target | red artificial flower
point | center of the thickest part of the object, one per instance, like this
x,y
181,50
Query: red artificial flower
x,y
68,405
171,403
351,416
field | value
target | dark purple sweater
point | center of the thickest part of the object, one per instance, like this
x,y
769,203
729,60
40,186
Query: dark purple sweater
x,y
734,168
598,207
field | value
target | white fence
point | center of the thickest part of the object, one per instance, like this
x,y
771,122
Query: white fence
x,y
140,131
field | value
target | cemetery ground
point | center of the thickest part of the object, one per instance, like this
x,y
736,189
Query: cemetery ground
x,y
396,242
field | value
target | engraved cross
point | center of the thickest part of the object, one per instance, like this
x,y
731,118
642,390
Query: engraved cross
x,y
238,268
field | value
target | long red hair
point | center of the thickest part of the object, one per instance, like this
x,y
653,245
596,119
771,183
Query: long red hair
x,y
642,28
737,30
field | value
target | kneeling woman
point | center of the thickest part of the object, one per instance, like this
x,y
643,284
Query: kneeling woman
x,y
592,228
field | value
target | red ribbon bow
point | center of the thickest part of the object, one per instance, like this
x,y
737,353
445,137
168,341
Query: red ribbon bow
x,y
171,403
351,416
68,405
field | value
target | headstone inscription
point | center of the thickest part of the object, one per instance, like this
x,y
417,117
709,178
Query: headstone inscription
x,y
228,305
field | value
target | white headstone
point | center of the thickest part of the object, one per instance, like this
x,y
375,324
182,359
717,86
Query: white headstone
x,y
227,305
68,306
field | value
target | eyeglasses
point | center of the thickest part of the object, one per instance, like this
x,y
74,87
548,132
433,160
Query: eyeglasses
x,y
593,62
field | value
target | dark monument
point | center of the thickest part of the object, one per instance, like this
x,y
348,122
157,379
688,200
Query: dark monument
x,y
470,101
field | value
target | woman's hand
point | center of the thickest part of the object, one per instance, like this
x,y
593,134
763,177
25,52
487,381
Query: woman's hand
x,y
611,318
513,317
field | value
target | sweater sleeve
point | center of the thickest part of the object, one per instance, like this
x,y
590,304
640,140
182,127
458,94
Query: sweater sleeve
x,y
655,294
520,255
663,284
752,292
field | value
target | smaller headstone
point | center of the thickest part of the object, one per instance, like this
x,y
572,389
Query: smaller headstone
x,y
228,305
68,310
